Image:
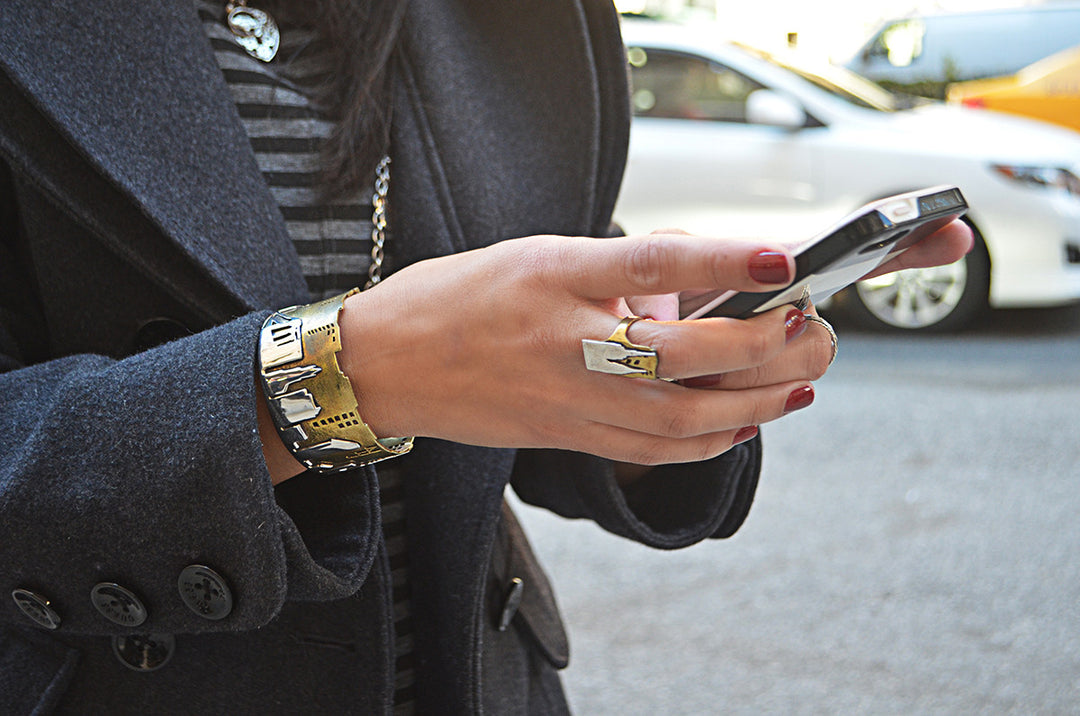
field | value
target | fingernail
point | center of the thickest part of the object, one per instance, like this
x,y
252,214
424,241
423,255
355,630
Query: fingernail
x,y
794,324
744,434
799,399
769,267
702,381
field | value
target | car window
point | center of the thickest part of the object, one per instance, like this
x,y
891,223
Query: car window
x,y
853,90
677,85
965,46
837,81
901,43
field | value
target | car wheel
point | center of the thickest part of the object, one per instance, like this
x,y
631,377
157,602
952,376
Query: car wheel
x,y
929,300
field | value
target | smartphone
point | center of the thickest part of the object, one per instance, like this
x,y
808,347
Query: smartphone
x,y
843,253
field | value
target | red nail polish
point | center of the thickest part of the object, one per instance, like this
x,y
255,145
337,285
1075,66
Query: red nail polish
x,y
799,399
744,434
794,324
703,381
769,267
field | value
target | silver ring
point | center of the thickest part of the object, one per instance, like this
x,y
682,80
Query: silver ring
x,y
618,356
832,334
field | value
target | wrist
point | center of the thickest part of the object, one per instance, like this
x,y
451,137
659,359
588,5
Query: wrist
x,y
362,359
381,353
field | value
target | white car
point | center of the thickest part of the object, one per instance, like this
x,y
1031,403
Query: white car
x,y
731,141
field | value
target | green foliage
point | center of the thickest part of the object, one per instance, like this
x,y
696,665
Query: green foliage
x,y
932,89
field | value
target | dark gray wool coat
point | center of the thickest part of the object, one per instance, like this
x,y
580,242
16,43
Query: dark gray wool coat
x,y
139,253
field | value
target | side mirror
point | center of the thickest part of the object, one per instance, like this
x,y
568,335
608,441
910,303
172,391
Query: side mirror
x,y
775,110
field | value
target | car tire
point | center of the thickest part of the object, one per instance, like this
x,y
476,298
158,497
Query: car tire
x,y
942,299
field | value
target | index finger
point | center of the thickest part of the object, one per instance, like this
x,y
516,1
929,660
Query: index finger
x,y
601,269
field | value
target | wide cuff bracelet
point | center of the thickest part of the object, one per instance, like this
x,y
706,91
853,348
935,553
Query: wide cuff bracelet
x,y
311,401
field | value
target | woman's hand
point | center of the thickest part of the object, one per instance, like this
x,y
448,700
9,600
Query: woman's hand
x,y
484,348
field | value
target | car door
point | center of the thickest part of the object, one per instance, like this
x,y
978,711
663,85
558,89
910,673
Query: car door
x,y
695,160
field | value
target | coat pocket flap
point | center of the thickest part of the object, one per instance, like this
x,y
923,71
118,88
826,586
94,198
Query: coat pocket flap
x,y
536,612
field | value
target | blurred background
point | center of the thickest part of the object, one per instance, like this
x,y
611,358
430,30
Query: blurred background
x,y
912,549
913,545
834,29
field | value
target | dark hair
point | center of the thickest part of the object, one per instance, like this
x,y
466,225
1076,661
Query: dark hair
x,y
362,35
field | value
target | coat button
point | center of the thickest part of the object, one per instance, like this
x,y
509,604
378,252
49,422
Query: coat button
x,y
144,652
118,604
36,607
511,602
205,592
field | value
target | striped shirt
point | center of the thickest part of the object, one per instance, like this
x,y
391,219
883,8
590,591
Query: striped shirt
x,y
287,131
333,239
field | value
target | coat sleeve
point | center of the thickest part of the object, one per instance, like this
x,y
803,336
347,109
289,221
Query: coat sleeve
x,y
129,471
672,506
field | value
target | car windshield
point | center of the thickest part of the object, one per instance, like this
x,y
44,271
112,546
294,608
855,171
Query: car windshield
x,y
839,82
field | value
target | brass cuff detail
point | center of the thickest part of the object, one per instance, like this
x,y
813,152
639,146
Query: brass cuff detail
x,y
311,401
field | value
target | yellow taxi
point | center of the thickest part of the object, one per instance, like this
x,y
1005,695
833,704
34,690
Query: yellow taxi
x,y
1048,90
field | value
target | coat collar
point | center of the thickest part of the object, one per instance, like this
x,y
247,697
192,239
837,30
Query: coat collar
x,y
159,125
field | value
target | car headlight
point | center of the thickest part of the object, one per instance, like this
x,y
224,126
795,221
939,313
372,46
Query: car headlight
x,y
1049,177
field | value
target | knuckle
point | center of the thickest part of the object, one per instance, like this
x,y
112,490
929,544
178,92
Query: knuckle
x,y
758,348
539,258
666,350
721,270
644,266
762,411
710,448
661,451
757,375
680,423
549,433
556,256
819,357
650,452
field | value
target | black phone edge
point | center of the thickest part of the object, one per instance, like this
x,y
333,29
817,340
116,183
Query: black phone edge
x,y
852,233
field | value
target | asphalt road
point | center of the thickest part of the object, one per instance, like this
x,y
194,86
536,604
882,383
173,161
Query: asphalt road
x,y
913,549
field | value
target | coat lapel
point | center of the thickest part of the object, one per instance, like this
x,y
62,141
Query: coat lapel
x,y
135,90
508,147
